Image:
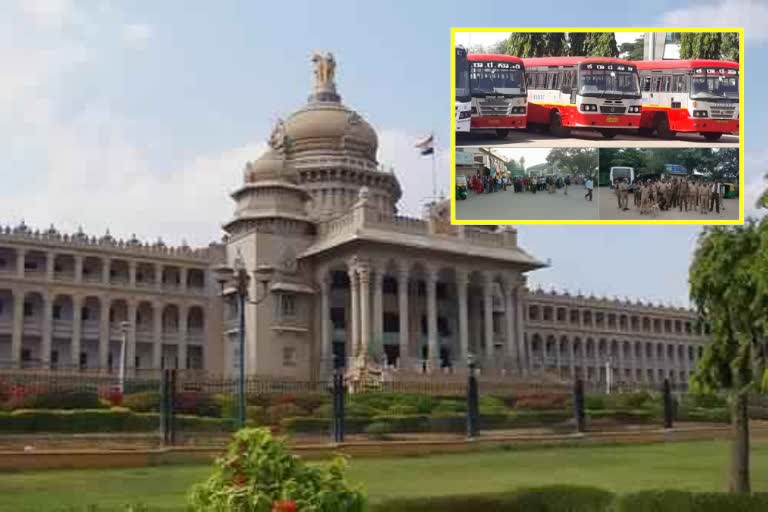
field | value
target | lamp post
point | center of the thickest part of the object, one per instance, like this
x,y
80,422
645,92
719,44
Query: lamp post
x,y
473,412
239,279
123,342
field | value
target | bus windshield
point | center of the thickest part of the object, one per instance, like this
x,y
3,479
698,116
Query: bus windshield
x,y
621,173
497,78
462,76
714,87
607,82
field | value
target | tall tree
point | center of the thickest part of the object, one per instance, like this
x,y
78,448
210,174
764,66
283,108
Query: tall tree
x,y
555,44
602,44
730,46
729,286
526,44
576,44
522,163
701,45
575,160
632,50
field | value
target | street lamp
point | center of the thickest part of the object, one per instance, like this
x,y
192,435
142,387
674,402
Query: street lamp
x,y
239,279
124,326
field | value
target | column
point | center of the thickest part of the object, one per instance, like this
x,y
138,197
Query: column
x,y
132,274
130,338
621,368
365,309
326,347
402,313
433,347
158,276
104,334
462,281
20,257
78,269
642,363
105,267
520,327
572,359
378,308
182,347
50,260
488,316
354,312
45,346
157,336
511,345
77,325
18,327
183,280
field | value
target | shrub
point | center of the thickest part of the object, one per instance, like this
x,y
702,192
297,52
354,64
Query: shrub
x,y
526,419
542,401
148,401
707,400
448,423
196,403
62,399
402,410
450,407
594,402
256,415
276,413
379,429
305,425
260,400
310,402
324,411
360,410
258,471
412,423
682,501
632,400
718,415
632,417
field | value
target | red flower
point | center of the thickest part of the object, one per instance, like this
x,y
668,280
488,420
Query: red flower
x,y
284,506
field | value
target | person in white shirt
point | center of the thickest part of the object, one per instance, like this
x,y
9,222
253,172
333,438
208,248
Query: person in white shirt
x,y
589,186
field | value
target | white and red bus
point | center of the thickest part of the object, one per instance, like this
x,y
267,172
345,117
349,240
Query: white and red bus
x,y
497,87
599,93
463,99
689,96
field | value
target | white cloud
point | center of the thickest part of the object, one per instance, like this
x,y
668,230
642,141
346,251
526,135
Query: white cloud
x,y
750,14
486,39
48,13
136,35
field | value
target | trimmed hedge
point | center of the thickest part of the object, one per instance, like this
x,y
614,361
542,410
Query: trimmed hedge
x,y
58,399
29,421
681,501
625,416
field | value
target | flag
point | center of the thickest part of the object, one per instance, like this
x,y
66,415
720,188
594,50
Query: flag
x,y
427,146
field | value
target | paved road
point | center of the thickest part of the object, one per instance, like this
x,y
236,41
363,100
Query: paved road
x,y
609,210
587,138
527,206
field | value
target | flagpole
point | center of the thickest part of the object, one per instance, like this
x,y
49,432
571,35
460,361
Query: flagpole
x,y
434,176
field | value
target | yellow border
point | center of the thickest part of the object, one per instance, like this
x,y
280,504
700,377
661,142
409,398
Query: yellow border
x,y
740,31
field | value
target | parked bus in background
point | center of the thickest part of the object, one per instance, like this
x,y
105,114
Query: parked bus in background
x,y
599,93
497,87
463,98
618,173
689,96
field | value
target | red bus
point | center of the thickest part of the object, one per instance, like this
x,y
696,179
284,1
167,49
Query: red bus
x,y
497,87
600,93
689,96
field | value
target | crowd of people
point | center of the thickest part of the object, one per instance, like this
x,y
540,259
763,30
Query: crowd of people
x,y
485,184
654,196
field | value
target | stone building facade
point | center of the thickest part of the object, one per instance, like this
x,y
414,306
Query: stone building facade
x,y
350,281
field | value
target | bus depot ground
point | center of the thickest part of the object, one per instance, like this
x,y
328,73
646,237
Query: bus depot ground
x,y
510,205
532,137
609,210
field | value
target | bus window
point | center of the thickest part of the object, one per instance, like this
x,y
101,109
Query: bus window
x,y
656,86
666,83
647,83
679,83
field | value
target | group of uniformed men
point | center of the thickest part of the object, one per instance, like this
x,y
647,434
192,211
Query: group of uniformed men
x,y
652,196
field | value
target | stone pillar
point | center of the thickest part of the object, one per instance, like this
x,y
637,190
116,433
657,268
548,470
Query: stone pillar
x,y
511,345
402,312
326,343
462,281
50,260
130,339
572,359
18,327
183,280
20,258
557,355
433,347
365,310
488,316
378,307
158,276
182,347
104,333
78,269
354,313
132,274
520,328
642,362
621,366
105,268
157,335
77,325
45,345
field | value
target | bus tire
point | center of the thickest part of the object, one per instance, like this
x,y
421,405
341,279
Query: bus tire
x,y
645,132
608,134
556,127
712,136
662,127
502,133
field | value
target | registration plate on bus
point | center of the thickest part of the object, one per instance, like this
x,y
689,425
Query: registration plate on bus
x,y
611,119
493,121
722,122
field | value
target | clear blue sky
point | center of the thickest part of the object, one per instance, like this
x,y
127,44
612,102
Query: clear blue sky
x,y
140,116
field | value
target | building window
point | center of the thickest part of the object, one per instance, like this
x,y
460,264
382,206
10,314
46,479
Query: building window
x,y
28,309
287,305
85,313
391,322
289,356
1,308
57,312
337,318
30,265
83,360
3,263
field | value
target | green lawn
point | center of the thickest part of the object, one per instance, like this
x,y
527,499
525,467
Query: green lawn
x,y
700,466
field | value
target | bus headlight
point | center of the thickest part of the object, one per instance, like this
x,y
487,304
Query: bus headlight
x,y
588,107
518,110
465,114
634,109
700,113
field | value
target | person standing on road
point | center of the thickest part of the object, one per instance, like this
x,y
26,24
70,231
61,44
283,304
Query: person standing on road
x,y
714,201
589,186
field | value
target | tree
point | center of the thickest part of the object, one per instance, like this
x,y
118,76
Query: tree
x,y
729,286
526,44
555,44
574,160
601,44
696,45
576,44
632,50
730,46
